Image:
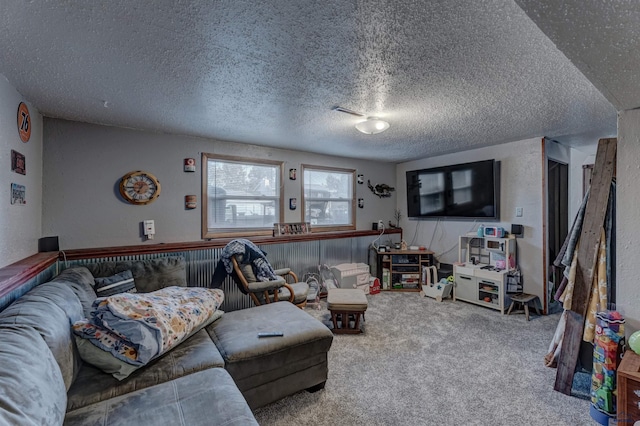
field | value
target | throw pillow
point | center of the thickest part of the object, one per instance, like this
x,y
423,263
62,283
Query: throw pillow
x,y
105,361
150,275
118,283
137,328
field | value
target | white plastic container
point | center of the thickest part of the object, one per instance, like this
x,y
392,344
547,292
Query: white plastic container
x,y
431,287
353,275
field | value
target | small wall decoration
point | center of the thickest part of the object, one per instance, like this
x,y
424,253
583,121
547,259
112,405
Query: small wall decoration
x,y
190,202
296,228
189,164
382,190
24,122
292,174
18,163
361,202
397,215
360,179
293,203
18,194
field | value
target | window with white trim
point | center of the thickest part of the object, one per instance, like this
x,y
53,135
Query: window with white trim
x,y
241,196
328,197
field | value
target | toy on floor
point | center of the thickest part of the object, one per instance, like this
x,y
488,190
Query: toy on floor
x,y
607,353
313,297
432,288
327,280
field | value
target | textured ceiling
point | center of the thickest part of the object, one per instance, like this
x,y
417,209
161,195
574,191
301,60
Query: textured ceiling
x,y
448,75
602,38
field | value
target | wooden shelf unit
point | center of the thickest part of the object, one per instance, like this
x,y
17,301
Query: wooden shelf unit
x,y
404,269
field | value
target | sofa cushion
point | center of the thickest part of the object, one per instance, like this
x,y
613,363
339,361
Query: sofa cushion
x,y
149,275
194,354
49,308
33,391
80,281
122,282
206,398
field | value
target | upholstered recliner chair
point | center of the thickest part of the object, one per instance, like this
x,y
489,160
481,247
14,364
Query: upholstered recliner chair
x,y
285,288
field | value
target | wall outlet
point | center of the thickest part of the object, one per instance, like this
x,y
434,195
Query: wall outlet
x,y
380,225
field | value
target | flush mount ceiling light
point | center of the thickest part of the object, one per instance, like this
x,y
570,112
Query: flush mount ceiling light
x,y
370,126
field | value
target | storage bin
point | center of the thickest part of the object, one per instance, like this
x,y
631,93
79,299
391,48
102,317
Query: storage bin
x,y
352,275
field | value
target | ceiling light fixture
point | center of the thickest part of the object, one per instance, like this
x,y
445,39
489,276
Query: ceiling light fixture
x,y
372,125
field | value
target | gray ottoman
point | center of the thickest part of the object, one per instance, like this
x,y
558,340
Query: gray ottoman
x,y
269,368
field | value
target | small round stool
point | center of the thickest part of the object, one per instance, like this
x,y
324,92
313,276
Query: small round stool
x,y
524,299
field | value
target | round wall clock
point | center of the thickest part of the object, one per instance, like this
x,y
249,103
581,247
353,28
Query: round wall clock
x,y
139,187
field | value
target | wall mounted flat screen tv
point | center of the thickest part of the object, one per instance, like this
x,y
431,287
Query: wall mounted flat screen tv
x,y
459,191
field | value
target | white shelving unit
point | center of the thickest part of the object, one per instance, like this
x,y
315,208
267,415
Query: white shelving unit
x,y
485,264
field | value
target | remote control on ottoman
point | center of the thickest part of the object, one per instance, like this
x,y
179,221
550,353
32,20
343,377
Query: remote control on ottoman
x,y
270,334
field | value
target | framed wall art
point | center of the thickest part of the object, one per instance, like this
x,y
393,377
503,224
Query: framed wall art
x,y
18,194
190,165
291,228
18,163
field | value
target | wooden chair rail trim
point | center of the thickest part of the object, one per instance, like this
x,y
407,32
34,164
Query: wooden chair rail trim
x,y
18,273
89,253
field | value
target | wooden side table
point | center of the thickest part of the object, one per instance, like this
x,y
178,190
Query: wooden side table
x,y
344,304
524,299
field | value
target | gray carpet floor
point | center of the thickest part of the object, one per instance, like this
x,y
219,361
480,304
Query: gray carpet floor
x,y
422,362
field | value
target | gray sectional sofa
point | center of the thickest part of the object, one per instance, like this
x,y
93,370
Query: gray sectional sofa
x,y
216,376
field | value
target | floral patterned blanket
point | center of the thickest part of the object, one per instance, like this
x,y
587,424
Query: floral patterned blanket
x,y
138,327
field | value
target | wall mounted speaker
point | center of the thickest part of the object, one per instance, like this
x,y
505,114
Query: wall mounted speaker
x,y
48,244
517,230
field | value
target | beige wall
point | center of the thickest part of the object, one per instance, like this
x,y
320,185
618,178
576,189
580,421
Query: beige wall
x,y
628,219
520,186
83,164
20,225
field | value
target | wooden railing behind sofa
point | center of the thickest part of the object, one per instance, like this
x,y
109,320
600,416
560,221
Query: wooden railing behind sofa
x,y
301,253
20,277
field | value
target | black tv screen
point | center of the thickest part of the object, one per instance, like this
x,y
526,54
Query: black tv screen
x,y
459,191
